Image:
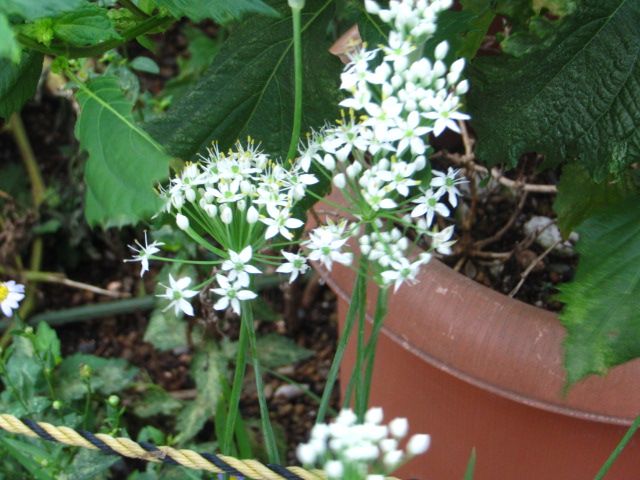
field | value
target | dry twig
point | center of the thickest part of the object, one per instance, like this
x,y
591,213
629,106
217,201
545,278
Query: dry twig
x,y
525,274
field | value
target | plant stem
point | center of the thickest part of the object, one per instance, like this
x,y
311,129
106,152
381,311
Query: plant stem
x,y
370,355
356,374
38,194
133,8
95,50
618,450
354,307
297,59
236,390
267,429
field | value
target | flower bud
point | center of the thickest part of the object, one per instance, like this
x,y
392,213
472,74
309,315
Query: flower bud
x,y
210,209
462,87
306,454
354,169
252,215
333,469
190,194
399,427
329,162
439,68
182,222
441,50
113,400
418,444
371,6
340,180
56,405
457,66
296,4
226,215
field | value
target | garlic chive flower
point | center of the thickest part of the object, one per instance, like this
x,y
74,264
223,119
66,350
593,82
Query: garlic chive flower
x,y
238,266
367,450
143,252
296,265
231,294
179,295
11,294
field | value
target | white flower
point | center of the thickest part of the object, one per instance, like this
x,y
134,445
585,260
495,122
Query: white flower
x,y
306,453
334,469
441,241
296,265
429,204
325,246
403,271
445,115
399,177
280,222
409,132
143,253
446,183
418,444
178,294
238,266
231,294
11,294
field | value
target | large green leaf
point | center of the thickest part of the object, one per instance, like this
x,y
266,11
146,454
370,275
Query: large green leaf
x,y
84,26
222,11
277,351
248,90
33,9
9,48
124,161
602,313
18,81
575,99
579,196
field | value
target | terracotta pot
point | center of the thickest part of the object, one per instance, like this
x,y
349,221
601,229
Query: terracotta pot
x,y
477,369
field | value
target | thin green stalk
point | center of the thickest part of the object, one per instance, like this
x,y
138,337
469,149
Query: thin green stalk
x,y
236,390
267,429
354,307
297,59
618,450
370,355
356,374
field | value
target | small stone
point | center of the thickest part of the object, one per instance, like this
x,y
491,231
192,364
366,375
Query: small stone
x,y
288,391
548,234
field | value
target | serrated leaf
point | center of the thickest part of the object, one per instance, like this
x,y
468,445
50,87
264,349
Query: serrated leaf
x,y
249,90
84,26
145,64
90,465
207,370
602,313
156,401
18,81
574,99
124,161
277,351
222,11
579,196
34,9
109,375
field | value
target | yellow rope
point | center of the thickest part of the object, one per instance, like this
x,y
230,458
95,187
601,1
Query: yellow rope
x,y
251,469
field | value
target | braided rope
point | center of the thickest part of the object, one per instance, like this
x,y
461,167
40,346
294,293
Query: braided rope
x,y
249,469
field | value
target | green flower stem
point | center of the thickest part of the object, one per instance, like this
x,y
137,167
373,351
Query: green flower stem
x,y
297,58
267,429
133,8
356,374
236,390
380,314
357,302
618,450
152,23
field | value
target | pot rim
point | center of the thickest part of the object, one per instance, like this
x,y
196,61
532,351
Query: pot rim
x,y
537,375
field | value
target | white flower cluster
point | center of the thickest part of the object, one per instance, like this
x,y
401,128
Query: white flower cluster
x,y
368,450
378,159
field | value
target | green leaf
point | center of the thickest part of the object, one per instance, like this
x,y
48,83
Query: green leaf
x,y
579,196
208,371
47,344
145,64
602,313
471,466
9,48
24,373
156,401
109,375
18,82
222,11
85,26
574,99
124,161
249,88
25,453
277,351
34,9
90,465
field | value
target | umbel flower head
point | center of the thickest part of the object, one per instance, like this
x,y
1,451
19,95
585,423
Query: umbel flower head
x,y
367,450
397,95
11,294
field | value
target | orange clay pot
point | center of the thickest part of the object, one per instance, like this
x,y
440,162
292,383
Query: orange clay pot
x,y
477,369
